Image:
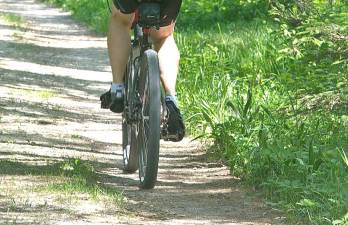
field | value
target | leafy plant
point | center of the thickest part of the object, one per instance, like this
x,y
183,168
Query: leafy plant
x,y
13,19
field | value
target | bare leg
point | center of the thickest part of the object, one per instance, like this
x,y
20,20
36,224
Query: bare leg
x,y
118,47
118,40
168,55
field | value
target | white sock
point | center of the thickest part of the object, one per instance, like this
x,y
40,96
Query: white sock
x,y
116,87
173,99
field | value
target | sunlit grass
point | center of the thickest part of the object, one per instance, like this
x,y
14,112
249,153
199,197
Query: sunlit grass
x,y
95,14
45,94
41,94
216,61
234,91
13,19
68,177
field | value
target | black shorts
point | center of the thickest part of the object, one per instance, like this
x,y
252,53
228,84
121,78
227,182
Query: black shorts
x,y
169,9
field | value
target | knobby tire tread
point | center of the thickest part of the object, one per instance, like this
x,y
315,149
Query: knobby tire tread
x,y
150,61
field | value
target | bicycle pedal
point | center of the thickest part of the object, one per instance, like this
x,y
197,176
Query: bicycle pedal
x,y
105,100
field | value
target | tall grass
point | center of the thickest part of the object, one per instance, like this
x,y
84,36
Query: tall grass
x,y
271,97
215,65
95,14
274,114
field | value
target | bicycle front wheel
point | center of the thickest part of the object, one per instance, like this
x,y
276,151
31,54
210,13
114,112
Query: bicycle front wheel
x,y
149,124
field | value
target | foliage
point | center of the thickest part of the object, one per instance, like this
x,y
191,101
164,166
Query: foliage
x,y
82,177
12,19
319,42
205,13
95,14
74,176
272,98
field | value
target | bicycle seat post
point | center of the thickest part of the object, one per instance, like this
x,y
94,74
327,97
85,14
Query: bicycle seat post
x,y
148,17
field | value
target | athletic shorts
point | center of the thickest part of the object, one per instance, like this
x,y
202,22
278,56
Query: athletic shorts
x,y
169,9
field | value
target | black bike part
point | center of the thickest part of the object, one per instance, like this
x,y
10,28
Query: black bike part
x,y
149,125
149,15
169,9
126,6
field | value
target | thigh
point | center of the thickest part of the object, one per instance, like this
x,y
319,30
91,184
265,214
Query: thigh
x,y
126,19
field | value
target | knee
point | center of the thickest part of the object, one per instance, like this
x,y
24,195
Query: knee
x,y
159,36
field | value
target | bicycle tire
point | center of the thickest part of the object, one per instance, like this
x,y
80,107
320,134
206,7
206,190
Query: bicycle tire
x,y
130,153
129,136
149,125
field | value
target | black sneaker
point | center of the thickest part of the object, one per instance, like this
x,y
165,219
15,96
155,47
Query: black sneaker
x,y
113,101
174,130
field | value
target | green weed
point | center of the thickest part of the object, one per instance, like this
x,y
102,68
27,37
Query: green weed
x,y
94,14
44,95
77,136
17,36
241,88
13,19
80,177
70,177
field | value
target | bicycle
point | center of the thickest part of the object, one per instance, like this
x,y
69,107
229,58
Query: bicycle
x,y
144,115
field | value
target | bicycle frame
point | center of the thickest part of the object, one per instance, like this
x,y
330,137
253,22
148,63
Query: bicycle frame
x,y
142,115
146,18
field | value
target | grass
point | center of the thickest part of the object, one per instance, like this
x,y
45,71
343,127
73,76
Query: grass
x,y
41,94
17,36
276,118
94,14
220,58
13,19
71,177
45,94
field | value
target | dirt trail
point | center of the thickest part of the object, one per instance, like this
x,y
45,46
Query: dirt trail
x,y
52,71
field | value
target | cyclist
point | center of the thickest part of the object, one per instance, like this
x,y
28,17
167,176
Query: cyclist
x,y
118,41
